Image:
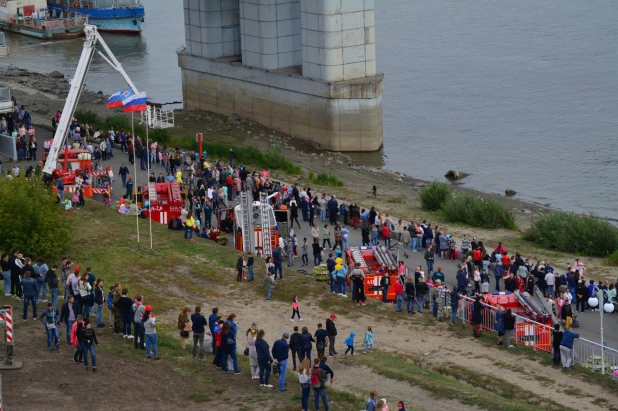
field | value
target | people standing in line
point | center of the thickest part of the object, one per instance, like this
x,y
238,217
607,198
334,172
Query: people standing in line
x,y
150,331
252,353
198,326
280,354
88,340
184,326
265,360
51,319
304,378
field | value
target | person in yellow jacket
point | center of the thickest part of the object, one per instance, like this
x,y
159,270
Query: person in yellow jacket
x,y
189,226
179,177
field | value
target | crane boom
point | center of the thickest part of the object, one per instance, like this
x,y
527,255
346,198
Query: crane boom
x,y
77,83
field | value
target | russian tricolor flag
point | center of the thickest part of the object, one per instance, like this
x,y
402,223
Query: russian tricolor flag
x,y
136,102
115,100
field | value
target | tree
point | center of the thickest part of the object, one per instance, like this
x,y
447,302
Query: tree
x,y
30,219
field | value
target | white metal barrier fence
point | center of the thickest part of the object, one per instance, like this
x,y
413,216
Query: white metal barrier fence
x,y
586,353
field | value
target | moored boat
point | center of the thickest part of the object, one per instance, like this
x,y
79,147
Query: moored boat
x,y
31,18
119,16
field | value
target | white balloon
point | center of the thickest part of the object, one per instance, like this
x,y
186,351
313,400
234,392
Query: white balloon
x,y
609,308
593,302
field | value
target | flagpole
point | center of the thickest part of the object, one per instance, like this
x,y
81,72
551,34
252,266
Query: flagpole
x,y
148,165
135,174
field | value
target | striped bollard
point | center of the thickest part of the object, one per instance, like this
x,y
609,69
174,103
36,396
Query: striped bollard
x,y
6,318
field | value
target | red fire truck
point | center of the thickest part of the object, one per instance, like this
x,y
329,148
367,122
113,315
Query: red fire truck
x,y
376,262
165,201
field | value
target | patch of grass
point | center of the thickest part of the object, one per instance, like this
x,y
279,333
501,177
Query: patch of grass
x,y
458,383
86,116
325,179
434,196
272,159
612,259
478,212
396,201
123,122
573,233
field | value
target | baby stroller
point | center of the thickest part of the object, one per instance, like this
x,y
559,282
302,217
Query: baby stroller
x,y
575,323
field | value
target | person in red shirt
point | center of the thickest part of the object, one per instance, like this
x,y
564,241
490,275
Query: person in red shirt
x,y
399,295
217,354
506,260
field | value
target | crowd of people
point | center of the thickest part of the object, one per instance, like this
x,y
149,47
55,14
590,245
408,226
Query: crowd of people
x,y
214,185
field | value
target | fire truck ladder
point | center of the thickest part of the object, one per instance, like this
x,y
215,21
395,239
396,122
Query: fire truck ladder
x,y
247,222
266,240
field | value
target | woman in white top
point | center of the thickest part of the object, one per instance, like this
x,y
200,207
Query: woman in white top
x,y
304,378
85,298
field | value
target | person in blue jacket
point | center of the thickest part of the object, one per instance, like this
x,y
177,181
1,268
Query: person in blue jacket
x,y
350,343
29,291
566,348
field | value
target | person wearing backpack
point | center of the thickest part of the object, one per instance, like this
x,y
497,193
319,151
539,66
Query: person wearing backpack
x,y
318,383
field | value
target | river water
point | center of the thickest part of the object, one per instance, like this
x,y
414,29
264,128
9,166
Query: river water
x,y
520,95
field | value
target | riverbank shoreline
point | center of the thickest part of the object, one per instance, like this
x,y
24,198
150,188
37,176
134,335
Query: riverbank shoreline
x,y
43,95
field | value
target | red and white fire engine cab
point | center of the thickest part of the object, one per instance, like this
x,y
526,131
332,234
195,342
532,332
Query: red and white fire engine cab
x,y
165,201
376,262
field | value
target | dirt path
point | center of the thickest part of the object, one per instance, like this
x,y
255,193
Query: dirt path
x,y
351,379
412,338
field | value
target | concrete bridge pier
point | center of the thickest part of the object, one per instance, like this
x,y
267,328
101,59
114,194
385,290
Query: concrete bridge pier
x,y
306,68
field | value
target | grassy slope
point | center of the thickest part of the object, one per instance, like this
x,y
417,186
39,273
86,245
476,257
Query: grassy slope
x,y
194,271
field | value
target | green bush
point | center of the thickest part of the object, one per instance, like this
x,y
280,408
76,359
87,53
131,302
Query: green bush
x,y
478,212
612,259
30,219
434,196
86,116
272,159
569,232
161,135
325,179
122,122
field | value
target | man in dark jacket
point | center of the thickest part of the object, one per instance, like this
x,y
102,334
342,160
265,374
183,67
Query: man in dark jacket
x,y
68,314
327,370
385,283
454,304
212,322
198,326
29,288
410,293
557,339
280,354
296,346
51,278
331,329
462,278
333,208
